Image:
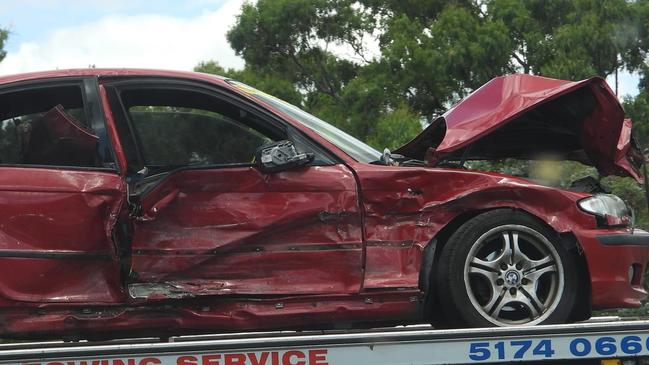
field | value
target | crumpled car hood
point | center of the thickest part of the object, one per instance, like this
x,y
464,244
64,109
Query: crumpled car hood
x,y
527,117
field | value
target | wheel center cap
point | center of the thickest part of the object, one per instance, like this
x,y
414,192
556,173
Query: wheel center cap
x,y
512,278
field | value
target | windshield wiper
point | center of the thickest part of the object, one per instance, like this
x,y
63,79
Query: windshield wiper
x,y
389,159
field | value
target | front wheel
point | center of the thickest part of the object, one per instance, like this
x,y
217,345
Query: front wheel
x,y
505,268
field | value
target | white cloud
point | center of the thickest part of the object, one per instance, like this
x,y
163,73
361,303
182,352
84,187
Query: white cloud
x,y
143,41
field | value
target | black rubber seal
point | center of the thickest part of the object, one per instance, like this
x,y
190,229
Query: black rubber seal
x,y
628,239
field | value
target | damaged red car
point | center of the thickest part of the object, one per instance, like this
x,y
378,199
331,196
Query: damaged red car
x,y
139,202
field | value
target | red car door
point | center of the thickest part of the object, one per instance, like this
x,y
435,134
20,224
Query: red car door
x,y
60,195
207,221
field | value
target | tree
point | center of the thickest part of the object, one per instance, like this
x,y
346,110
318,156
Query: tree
x,y
431,53
270,83
4,35
395,128
292,38
571,39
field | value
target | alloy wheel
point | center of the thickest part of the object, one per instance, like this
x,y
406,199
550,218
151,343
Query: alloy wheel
x,y
514,275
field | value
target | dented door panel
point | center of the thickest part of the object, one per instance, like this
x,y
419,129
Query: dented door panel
x,y
235,230
63,279
56,225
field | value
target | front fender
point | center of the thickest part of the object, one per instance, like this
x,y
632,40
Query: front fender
x,y
405,208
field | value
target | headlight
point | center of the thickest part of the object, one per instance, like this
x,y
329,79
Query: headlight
x,y
612,210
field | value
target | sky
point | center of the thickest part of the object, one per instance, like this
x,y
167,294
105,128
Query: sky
x,y
162,34
167,34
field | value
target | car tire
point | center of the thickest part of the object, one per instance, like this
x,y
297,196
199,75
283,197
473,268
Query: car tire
x,y
505,268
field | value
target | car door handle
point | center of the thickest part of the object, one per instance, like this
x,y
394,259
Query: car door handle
x,y
155,209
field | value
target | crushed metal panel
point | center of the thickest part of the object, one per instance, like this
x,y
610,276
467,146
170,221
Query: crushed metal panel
x,y
598,134
294,232
213,314
393,214
158,291
56,225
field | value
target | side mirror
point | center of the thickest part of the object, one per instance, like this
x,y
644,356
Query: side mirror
x,y
280,156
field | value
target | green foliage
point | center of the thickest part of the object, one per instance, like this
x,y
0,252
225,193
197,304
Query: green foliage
x,y
292,37
11,149
633,194
395,128
172,137
4,35
637,109
509,166
266,82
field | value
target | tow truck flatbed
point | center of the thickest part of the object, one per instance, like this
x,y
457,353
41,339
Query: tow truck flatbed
x,y
415,345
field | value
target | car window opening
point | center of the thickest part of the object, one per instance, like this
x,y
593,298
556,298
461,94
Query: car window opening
x,y
46,126
177,128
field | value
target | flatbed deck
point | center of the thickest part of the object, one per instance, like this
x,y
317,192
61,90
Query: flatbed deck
x,y
416,345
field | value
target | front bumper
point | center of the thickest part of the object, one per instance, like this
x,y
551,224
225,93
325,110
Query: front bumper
x,y
617,260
